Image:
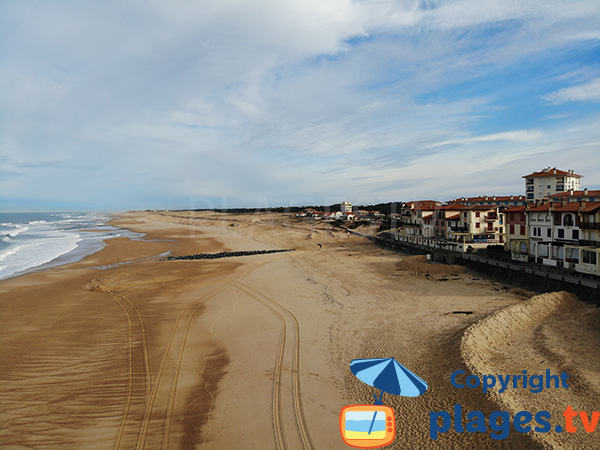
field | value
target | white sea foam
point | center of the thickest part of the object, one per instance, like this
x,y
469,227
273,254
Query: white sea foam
x,y
34,252
6,253
27,244
18,231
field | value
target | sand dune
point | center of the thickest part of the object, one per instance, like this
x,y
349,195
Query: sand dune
x,y
552,331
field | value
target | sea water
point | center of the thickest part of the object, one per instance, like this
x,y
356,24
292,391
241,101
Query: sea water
x,y
31,241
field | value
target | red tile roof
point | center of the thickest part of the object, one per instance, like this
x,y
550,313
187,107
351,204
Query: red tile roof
x,y
552,172
454,217
482,207
569,207
576,194
540,208
454,207
515,209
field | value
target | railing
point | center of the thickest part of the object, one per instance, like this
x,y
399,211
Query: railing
x,y
491,217
585,243
409,224
590,225
459,229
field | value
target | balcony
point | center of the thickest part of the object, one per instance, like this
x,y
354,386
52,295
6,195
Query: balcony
x,y
459,229
590,225
585,243
490,217
529,181
406,223
529,188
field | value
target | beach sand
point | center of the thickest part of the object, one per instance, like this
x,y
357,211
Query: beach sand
x,y
122,350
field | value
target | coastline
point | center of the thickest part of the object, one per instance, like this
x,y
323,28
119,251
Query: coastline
x,y
84,246
174,352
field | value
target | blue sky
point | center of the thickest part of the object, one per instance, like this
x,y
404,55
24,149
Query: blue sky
x,y
110,105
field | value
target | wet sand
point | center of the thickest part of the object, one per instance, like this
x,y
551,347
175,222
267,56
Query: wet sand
x,y
121,350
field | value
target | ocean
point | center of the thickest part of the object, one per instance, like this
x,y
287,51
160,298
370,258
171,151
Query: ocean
x,y
31,241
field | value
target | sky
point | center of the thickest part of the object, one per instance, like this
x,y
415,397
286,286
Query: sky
x,y
120,105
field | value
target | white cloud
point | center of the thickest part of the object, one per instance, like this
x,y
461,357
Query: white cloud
x,y
279,98
589,91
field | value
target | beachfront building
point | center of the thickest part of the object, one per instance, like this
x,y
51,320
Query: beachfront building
x,y
589,244
483,225
539,185
346,207
563,249
456,227
447,220
497,200
516,233
416,224
576,196
555,234
539,224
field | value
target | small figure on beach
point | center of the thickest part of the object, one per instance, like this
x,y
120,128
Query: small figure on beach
x,y
319,246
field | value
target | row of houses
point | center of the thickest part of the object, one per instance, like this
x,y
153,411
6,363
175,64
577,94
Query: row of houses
x,y
345,214
562,230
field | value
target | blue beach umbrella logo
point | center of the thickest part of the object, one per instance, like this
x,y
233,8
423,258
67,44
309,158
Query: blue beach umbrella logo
x,y
373,426
388,375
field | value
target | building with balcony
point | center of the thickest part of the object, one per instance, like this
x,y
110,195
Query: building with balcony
x,y
589,242
516,233
547,182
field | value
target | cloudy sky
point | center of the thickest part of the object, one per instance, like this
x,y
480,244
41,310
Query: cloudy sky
x,y
116,105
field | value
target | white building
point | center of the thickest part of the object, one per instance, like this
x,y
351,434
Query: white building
x,y
539,185
346,207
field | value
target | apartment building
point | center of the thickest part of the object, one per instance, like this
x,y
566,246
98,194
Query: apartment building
x,y
539,185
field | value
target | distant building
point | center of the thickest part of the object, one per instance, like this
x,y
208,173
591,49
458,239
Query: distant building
x,y
576,196
498,200
539,185
346,207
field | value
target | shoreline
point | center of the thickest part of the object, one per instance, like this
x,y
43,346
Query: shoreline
x,y
83,247
210,329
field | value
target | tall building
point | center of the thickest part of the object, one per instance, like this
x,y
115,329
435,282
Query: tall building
x,y
539,185
346,207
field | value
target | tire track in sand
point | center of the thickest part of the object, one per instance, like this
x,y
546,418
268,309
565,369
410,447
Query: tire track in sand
x,y
167,426
277,308
148,411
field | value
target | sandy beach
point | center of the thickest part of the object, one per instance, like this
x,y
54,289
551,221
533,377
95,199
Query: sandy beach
x,y
123,350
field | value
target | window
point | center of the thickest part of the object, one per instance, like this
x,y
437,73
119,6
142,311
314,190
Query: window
x,y
477,214
575,234
561,233
549,232
568,220
589,257
477,225
511,229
